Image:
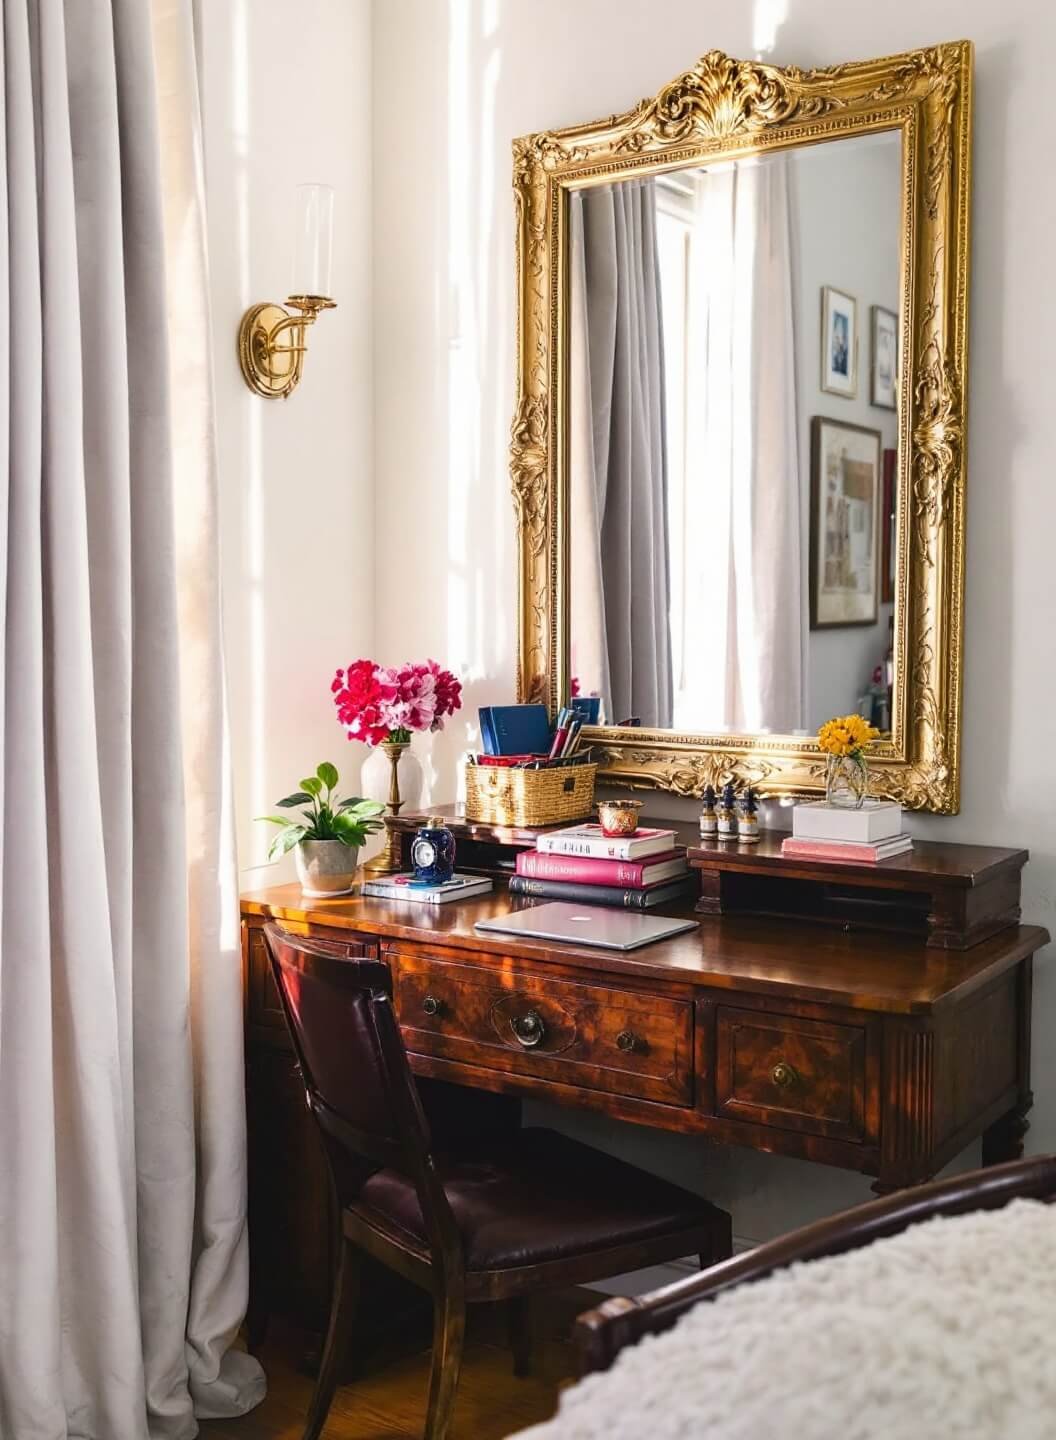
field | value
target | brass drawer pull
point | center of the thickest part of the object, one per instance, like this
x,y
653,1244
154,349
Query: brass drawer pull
x,y
783,1075
432,1006
528,1029
629,1042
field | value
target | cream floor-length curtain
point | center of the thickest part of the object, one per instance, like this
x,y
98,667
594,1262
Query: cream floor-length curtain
x,y
123,1260
737,514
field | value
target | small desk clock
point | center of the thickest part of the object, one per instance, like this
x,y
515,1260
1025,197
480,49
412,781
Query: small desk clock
x,y
433,853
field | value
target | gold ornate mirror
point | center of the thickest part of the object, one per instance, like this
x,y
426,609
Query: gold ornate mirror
x,y
738,449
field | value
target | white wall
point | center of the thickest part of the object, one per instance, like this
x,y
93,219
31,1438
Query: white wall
x,y
846,227
453,84
287,99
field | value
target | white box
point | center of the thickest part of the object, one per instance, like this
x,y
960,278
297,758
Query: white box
x,y
876,820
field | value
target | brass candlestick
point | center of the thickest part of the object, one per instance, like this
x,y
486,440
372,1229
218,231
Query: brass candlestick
x,y
390,857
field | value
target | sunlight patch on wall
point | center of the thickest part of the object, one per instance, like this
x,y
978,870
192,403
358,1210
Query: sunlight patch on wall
x,y
241,140
473,78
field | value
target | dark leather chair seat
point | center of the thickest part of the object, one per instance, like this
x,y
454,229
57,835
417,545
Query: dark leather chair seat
x,y
534,1196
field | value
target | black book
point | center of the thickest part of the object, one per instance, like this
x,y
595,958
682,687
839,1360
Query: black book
x,y
614,896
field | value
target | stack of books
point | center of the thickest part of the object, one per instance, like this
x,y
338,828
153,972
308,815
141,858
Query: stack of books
x,y
582,863
827,832
406,887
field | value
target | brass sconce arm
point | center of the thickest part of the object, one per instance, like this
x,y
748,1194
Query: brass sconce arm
x,y
269,367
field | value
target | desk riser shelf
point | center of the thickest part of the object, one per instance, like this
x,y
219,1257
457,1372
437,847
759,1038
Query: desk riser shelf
x,y
951,896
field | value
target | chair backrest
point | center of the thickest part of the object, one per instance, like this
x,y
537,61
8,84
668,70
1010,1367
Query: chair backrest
x,y
356,1075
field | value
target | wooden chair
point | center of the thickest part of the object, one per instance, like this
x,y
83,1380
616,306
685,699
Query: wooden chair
x,y
495,1217
602,1333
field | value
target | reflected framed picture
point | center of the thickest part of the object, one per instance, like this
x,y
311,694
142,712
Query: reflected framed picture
x,y
839,343
884,369
845,485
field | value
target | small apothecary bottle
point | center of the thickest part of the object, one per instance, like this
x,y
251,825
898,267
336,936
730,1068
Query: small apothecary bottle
x,y
709,821
748,820
727,813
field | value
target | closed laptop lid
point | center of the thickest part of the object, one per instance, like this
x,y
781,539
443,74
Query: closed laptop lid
x,y
577,924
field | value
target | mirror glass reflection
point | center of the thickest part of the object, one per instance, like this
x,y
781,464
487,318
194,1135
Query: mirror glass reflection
x,y
733,360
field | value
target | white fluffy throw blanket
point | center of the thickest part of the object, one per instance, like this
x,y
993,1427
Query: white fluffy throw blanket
x,y
948,1330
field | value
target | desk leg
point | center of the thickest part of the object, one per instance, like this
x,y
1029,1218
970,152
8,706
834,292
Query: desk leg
x,y
1003,1140
888,1187
259,1304
907,1126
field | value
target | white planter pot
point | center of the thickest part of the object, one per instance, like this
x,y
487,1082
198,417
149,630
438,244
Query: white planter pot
x,y
326,867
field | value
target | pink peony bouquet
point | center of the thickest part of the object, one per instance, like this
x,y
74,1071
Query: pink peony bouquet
x,y
376,703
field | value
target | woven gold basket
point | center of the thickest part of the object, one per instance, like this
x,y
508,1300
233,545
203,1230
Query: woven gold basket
x,y
498,795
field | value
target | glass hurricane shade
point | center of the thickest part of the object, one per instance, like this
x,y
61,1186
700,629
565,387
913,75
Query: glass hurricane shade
x,y
313,240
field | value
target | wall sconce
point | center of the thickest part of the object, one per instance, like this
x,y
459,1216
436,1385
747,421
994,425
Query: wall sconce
x,y
272,341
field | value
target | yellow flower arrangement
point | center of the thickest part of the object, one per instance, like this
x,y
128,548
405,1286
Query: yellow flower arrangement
x,y
846,735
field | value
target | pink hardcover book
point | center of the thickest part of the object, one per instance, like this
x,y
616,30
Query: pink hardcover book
x,y
587,870
839,850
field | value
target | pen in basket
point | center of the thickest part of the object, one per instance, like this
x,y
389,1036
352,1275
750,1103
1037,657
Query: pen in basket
x,y
561,732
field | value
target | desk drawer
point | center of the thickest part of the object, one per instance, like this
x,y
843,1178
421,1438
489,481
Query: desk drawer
x,y
504,1017
789,1072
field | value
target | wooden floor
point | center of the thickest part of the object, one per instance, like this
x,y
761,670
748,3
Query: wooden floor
x,y
390,1401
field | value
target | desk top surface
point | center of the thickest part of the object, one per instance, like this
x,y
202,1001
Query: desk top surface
x,y
864,970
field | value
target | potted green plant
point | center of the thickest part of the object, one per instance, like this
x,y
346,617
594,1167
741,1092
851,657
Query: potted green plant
x,y
327,834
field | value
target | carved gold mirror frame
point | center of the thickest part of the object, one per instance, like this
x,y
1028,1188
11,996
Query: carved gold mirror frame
x,y
738,108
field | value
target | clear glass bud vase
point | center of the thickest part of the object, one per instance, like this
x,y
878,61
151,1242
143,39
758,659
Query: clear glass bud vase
x,y
846,781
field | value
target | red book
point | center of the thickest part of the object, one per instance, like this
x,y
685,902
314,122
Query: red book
x,y
507,761
586,870
846,850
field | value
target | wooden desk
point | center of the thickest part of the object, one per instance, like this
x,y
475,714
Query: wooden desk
x,y
866,1051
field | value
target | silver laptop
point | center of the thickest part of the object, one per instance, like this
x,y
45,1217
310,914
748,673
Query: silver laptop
x,y
587,925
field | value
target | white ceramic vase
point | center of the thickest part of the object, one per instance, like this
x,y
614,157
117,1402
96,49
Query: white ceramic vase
x,y
376,776
326,867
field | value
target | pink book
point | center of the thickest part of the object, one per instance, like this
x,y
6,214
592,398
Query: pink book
x,y
840,850
587,870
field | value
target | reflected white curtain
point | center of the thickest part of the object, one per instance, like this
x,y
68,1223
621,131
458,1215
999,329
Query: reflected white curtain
x,y
737,517
621,646
123,1268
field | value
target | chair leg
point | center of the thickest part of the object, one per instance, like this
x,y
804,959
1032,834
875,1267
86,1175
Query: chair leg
x,y
257,1321
722,1247
519,1319
449,1330
342,1308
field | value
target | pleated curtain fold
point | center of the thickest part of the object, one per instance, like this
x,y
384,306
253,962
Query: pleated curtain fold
x,y
123,1264
621,645
739,505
